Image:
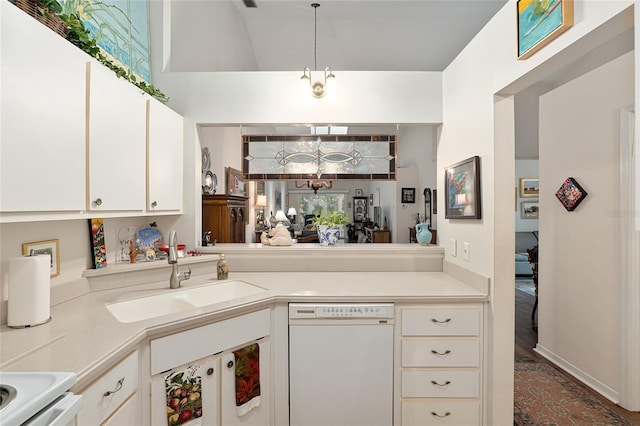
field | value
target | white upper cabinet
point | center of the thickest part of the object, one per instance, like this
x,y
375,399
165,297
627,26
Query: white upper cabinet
x,y
42,140
116,142
164,158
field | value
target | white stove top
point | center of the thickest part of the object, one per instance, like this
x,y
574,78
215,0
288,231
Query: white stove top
x,y
34,391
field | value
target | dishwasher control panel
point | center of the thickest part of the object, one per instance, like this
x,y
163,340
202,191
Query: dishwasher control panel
x,y
340,310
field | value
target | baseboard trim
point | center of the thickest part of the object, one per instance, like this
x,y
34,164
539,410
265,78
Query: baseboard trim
x,y
579,374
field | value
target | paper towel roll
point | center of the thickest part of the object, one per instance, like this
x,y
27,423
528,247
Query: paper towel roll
x,y
29,291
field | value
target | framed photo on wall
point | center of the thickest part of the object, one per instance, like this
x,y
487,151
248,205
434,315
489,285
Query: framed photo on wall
x,y
462,190
235,182
529,209
529,187
408,195
360,208
50,247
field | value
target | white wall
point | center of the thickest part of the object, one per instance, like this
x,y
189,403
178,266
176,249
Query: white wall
x,y
525,169
478,116
580,250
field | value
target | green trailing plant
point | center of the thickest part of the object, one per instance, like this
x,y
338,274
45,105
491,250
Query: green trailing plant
x,y
332,218
78,35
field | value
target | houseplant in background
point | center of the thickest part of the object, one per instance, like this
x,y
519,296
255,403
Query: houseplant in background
x,y
329,226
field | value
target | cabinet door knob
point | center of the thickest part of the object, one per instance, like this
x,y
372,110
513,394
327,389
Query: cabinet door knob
x,y
118,387
437,321
433,382
447,414
230,364
98,202
154,204
209,371
447,352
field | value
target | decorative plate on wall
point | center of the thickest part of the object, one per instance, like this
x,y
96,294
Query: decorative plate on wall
x,y
571,194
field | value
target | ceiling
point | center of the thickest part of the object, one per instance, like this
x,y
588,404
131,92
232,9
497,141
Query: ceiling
x,y
354,35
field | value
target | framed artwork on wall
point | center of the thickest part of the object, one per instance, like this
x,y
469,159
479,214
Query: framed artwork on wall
x,y
570,194
50,247
360,208
462,190
408,195
529,187
541,21
529,209
235,182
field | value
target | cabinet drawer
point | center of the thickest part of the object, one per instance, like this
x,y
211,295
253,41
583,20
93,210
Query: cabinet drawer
x,y
440,353
439,412
119,382
441,322
440,384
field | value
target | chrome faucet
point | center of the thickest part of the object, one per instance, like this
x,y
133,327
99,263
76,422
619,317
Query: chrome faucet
x,y
176,277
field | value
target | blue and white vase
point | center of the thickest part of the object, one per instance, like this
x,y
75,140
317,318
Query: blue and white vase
x,y
423,235
328,235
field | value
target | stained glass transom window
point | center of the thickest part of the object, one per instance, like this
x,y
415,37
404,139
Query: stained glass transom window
x,y
325,156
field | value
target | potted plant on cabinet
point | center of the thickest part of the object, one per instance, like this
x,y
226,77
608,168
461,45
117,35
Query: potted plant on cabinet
x,y
329,226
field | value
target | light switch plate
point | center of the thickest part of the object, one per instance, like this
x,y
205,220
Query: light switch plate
x,y
454,247
466,247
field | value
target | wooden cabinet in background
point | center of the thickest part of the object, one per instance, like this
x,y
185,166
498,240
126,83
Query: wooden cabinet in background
x,y
378,235
224,215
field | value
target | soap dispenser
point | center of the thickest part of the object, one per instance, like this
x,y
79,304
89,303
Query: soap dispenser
x,y
223,268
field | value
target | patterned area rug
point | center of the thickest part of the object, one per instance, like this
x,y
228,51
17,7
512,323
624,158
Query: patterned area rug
x,y
543,396
525,285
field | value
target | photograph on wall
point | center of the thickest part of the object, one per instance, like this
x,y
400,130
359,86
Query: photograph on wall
x,y
462,189
408,195
529,209
529,187
50,247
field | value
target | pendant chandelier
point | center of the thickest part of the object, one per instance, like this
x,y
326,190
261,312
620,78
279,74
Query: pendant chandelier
x,y
318,88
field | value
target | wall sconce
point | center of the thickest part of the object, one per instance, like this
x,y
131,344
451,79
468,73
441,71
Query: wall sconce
x,y
315,185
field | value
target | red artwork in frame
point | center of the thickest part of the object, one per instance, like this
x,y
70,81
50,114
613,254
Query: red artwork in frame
x,y
571,194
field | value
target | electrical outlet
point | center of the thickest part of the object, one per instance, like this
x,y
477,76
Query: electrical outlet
x,y
454,247
466,247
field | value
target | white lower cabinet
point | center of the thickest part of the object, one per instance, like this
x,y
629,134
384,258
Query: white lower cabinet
x,y
440,364
112,400
206,388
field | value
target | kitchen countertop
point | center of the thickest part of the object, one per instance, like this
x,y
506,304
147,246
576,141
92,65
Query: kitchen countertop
x,y
85,338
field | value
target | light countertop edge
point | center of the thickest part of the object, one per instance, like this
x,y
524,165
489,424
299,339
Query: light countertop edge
x,y
85,338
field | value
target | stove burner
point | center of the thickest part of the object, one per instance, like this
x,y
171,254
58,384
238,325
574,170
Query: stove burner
x,y
7,394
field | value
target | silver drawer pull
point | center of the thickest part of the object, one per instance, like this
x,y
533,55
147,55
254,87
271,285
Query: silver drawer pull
x,y
437,321
447,414
447,352
118,387
447,383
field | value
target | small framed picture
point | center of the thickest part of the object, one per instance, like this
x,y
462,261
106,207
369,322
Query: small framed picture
x,y
462,190
235,182
50,247
529,209
529,187
408,195
358,192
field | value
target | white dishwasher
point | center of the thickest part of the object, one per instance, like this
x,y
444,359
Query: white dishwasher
x,y
341,364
